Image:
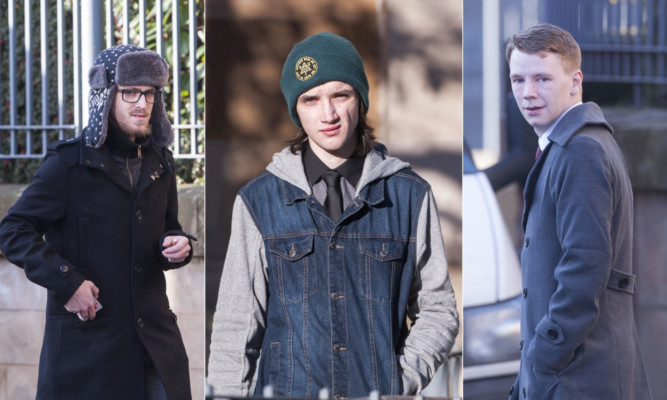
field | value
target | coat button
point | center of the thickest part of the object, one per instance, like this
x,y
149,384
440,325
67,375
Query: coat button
x,y
552,334
623,283
79,328
140,322
337,396
292,253
137,268
139,215
332,245
335,296
63,268
337,348
525,292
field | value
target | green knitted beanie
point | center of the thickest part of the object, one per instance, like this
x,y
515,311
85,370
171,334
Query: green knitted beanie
x,y
319,59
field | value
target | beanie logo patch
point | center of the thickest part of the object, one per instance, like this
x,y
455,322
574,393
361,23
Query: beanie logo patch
x,y
306,68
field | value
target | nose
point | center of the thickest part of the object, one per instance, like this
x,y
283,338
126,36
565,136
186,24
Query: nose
x,y
328,112
529,91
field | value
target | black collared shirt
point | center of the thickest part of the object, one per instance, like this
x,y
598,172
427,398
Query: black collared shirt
x,y
350,170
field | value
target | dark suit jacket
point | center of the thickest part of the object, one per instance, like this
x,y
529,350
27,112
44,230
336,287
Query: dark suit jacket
x,y
579,339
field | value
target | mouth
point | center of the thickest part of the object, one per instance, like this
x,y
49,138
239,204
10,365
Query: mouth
x,y
330,131
532,110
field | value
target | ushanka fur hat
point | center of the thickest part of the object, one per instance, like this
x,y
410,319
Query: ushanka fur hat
x,y
125,65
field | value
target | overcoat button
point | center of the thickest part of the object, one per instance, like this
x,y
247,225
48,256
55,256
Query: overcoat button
x,y
552,334
137,268
292,253
139,215
336,348
79,328
63,268
332,246
140,322
623,283
335,296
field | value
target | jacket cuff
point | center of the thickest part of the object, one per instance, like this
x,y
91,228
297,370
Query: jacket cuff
x,y
548,351
70,281
169,265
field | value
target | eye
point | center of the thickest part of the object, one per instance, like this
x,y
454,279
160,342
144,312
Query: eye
x,y
517,80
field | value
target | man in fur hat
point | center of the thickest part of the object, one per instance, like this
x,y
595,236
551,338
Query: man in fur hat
x,y
331,249
97,227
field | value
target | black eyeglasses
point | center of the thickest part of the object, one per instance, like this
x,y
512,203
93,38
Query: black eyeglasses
x,y
133,95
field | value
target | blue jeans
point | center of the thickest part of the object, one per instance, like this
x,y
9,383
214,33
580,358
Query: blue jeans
x,y
153,385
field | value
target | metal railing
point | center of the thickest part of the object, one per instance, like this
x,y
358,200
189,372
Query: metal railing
x,y
622,41
23,134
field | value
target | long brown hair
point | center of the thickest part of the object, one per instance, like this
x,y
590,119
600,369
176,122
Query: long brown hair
x,y
364,132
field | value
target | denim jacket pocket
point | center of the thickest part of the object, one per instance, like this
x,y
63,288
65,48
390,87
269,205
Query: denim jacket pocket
x,y
290,261
381,259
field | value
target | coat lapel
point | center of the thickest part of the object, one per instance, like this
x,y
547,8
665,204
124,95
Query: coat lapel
x,y
531,183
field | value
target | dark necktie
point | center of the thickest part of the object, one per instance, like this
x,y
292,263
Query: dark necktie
x,y
537,154
334,201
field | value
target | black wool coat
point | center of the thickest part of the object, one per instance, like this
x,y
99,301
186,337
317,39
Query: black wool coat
x,y
80,219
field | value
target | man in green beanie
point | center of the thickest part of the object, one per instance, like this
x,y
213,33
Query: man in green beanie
x,y
332,249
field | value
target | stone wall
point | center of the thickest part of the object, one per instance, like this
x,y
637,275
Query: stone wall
x,y
22,305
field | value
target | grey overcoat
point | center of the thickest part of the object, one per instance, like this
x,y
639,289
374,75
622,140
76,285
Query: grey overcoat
x,y
578,333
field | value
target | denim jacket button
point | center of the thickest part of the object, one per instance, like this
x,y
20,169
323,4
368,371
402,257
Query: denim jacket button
x,y
332,245
336,348
335,296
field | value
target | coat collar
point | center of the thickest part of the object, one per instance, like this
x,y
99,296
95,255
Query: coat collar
x,y
585,114
582,116
154,166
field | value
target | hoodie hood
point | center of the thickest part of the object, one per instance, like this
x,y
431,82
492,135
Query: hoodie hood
x,y
377,165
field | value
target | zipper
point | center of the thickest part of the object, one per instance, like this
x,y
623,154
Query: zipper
x,y
139,151
127,166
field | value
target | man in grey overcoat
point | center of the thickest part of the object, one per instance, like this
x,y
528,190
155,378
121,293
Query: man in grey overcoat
x,y
579,339
99,225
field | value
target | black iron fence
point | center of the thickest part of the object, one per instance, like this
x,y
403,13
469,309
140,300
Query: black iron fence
x,y
622,41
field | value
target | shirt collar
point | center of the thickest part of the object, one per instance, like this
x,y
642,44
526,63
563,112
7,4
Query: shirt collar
x,y
351,169
543,141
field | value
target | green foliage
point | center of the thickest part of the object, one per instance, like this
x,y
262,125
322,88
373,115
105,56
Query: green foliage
x,y
21,170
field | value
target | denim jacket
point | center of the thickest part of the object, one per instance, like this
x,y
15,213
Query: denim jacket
x,y
326,303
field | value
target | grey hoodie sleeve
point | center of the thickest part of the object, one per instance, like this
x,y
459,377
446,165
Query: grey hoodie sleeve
x,y
240,314
431,306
